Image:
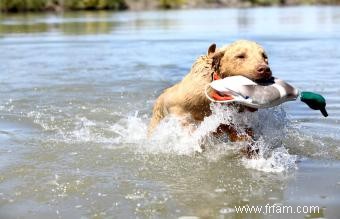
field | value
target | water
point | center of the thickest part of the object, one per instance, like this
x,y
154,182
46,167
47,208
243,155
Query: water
x,y
76,92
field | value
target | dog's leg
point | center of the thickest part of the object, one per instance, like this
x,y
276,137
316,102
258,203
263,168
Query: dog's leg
x,y
159,112
157,115
234,136
153,124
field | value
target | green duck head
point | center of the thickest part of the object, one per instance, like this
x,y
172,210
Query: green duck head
x,y
314,101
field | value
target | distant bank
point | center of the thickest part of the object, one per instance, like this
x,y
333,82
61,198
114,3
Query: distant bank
x,y
62,5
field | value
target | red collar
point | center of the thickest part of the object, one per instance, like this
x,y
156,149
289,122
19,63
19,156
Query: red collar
x,y
216,76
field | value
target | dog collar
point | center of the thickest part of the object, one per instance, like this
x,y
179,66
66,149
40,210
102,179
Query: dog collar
x,y
215,76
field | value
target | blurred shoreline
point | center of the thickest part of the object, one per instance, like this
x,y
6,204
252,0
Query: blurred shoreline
x,y
14,6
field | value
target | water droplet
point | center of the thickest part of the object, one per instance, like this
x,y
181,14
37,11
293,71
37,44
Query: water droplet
x,y
220,190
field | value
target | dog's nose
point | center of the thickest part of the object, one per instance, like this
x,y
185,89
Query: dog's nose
x,y
264,71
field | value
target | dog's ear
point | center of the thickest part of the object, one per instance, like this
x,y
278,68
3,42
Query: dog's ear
x,y
216,58
211,50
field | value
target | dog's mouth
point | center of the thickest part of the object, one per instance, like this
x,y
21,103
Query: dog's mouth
x,y
264,81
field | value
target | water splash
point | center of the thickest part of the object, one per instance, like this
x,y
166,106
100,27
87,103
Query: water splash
x,y
270,127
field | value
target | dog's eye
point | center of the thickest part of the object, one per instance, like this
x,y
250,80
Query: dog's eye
x,y
241,56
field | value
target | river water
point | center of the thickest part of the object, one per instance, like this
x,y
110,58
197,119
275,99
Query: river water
x,y
76,92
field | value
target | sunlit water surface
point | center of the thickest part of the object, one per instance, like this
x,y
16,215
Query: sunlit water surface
x,y
76,92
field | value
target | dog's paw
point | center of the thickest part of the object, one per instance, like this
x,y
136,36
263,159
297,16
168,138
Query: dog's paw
x,y
250,151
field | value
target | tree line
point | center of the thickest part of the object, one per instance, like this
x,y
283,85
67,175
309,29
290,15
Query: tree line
x,y
62,5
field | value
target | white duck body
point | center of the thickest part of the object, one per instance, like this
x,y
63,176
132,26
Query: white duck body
x,y
256,95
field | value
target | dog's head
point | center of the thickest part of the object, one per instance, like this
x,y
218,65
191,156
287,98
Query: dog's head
x,y
242,57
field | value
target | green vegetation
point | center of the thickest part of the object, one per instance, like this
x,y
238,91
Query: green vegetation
x,y
167,4
22,5
265,2
60,5
41,5
94,4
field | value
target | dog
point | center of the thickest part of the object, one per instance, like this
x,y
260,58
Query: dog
x,y
187,99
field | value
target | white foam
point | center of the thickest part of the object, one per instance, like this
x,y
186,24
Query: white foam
x,y
279,160
131,129
270,128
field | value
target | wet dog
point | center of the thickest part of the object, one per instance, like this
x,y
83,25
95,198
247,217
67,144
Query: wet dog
x,y
187,99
